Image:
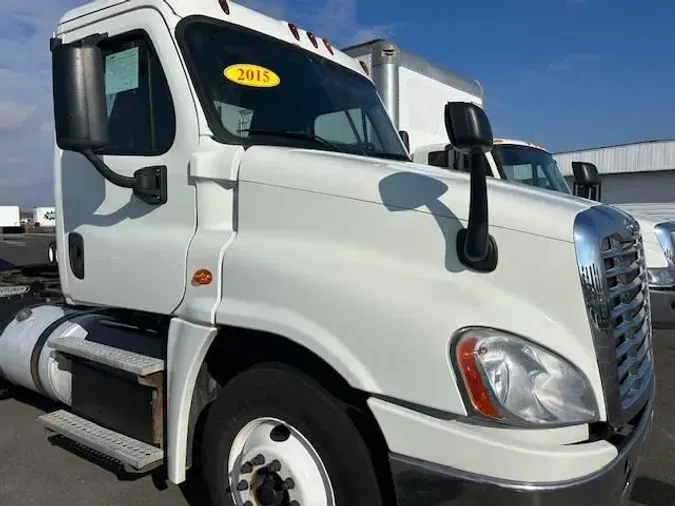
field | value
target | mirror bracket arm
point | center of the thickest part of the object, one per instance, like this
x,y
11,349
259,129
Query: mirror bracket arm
x,y
148,183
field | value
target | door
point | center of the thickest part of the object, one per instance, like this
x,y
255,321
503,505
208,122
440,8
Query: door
x,y
121,251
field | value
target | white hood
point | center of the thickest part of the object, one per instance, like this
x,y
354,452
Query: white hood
x,y
648,217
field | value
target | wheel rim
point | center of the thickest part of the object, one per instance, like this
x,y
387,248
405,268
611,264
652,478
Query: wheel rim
x,y
272,464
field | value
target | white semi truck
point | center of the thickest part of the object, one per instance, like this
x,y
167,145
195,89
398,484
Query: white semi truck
x,y
413,90
255,283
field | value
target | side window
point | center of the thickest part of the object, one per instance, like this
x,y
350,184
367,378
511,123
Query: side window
x,y
337,127
438,159
457,161
141,116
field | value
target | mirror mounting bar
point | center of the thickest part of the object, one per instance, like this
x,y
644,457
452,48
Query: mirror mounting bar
x,y
147,183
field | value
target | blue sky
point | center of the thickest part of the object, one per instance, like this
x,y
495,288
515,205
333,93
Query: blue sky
x,y
567,74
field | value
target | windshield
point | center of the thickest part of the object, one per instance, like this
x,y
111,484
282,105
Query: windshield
x,y
528,165
259,90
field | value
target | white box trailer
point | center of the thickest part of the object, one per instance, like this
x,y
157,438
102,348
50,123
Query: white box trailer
x,y
44,216
10,219
414,90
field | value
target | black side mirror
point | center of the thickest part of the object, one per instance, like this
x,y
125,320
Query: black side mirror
x,y
81,119
405,138
587,182
468,128
470,133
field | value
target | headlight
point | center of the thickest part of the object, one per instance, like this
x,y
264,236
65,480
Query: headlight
x,y
661,277
514,381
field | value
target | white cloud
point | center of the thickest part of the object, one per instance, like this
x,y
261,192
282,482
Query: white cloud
x,y
337,20
25,80
570,63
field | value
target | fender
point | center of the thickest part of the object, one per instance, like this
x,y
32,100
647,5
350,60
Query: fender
x,y
188,344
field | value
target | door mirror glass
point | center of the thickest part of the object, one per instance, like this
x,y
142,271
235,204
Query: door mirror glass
x,y
80,117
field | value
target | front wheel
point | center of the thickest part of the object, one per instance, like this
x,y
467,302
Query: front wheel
x,y
273,437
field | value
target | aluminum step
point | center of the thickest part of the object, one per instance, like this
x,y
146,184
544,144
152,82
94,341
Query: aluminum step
x,y
129,361
135,454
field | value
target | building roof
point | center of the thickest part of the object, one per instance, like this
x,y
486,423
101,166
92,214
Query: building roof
x,y
648,156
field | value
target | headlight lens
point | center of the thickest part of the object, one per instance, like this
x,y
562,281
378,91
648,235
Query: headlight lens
x,y
515,381
661,277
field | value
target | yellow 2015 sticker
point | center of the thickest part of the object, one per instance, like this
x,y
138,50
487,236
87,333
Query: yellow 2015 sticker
x,y
248,74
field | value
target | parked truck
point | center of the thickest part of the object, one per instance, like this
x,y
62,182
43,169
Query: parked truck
x,y
413,89
44,217
255,283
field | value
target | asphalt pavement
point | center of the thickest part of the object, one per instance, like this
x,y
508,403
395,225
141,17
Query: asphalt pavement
x,y
23,249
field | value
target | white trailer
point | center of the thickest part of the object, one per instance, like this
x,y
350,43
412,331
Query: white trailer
x,y
44,216
10,219
414,90
258,284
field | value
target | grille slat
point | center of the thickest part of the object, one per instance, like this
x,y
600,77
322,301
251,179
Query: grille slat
x,y
625,345
634,361
613,273
636,305
629,324
621,288
624,271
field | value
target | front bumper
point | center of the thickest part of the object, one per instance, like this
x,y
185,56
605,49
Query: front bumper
x,y
663,308
420,483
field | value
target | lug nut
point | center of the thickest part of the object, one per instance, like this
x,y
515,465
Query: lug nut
x,y
242,485
258,460
288,484
246,468
274,467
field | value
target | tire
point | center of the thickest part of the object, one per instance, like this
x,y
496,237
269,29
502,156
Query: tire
x,y
279,393
5,392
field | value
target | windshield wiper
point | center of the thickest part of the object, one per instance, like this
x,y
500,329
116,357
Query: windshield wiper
x,y
292,134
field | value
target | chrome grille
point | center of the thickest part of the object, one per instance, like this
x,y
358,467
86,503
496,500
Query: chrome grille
x,y
628,292
611,261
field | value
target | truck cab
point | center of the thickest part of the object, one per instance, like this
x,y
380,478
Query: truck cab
x,y
257,284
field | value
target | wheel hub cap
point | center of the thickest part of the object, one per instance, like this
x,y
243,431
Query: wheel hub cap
x,y
272,464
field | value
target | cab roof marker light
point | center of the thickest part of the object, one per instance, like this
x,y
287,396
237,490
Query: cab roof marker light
x,y
328,46
364,67
294,31
225,6
312,39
